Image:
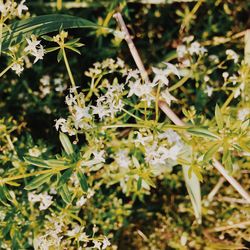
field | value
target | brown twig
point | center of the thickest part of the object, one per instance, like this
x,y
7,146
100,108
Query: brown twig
x,y
165,108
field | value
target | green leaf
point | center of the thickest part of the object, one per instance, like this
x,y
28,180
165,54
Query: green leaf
x,y
66,143
72,41
48,50
5,195
56,163
219,117
48,38
226,159
139,183
212,150
65,177
38,181
202,132
36,161
83,181
41,25
73,49
60,55
194,191
65,193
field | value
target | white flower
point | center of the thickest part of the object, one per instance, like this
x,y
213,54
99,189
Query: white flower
x,y
168,98
60,87
238,90
206,78
100,110
132,74
34,48
142,139
97,244
82,113
105,243
186,63
18,68
243,113
232,55
70,100
44,199
98,156
21,7
196,48
76,229
122,158
171,136
225,75
181,51
32,44
38,54
81,202
60,122
35,151
160,76
171,68
209,90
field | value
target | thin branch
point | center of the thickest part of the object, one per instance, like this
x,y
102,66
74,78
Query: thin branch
x,y
165,108
215,189
224,228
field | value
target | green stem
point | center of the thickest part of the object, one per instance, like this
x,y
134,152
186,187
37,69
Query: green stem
x,y
22,176
70,76
136,117
229,99
156,102
126,126
179,83
6,69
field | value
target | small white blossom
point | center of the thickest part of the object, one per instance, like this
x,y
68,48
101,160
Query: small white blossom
x,y
32,44
225,75
81,201
60,122
196,48
105,243
97,244
160,76
21,7
44,199
168,98
232,55
181,51
122,158
243,113
209,90
18,68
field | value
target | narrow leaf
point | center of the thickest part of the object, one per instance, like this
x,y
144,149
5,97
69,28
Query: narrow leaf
x,y
66,143
65,177
139,183
202,132
36,161
38,181
218,117
193,188
41,25
65,193
83,181
209,154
